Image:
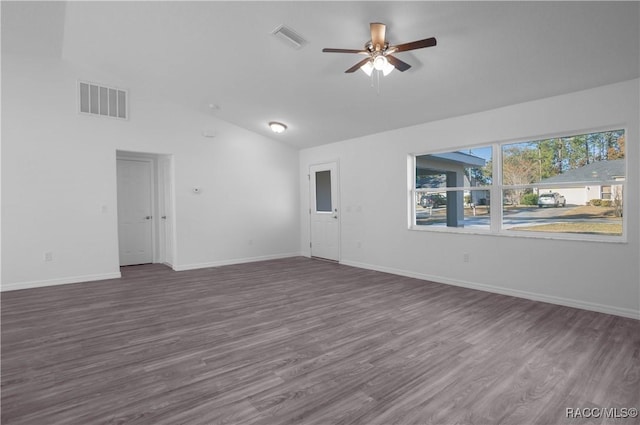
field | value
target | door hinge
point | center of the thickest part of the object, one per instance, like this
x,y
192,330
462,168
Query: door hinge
x,y
309,210
309,244
308,176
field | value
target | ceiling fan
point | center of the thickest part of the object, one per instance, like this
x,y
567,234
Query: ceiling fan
x,y
379,52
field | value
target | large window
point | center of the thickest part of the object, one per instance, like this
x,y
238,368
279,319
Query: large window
x,y
568,187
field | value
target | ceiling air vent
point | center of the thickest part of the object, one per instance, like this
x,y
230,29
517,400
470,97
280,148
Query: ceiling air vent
x,y
95,99
289,36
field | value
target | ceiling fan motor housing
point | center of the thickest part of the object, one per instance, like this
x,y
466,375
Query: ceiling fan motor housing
x,y
371,48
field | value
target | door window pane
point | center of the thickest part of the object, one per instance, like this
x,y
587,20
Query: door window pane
x,y
323,191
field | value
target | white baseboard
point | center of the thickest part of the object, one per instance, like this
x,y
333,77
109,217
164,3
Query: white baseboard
x,y
88,278
567,302
60,281
229,262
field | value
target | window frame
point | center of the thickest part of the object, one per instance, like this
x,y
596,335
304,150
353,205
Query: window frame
x,y
497,189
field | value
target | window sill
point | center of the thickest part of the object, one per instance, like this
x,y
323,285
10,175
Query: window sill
x,y
524,234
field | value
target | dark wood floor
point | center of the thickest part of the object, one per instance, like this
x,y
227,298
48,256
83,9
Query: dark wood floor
x,y
302,341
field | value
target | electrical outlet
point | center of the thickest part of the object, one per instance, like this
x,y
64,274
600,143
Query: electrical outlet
x,y
465,257
48,256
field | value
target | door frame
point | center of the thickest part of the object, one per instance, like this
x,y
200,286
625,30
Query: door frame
x,y
311,192
159,254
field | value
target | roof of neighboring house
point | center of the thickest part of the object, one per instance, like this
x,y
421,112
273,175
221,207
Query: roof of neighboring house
x,y
595,172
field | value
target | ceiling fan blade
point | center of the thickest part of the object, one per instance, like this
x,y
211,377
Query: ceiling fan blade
x,y
357,66
378,32
400,65
420,44
329,50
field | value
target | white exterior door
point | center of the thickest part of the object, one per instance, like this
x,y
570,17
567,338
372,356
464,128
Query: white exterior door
x,y
135,233
325,218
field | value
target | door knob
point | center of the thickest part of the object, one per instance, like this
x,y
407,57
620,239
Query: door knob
x,y
148,217
164,217
335,216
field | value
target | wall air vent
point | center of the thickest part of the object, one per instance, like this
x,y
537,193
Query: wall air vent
x,y
95,99
289,36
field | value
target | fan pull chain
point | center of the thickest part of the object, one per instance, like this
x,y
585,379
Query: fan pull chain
x,y
375,76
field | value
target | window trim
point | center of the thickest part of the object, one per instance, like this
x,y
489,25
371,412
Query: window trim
x,y
497,189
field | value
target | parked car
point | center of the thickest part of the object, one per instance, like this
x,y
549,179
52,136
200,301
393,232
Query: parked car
x,y
551,199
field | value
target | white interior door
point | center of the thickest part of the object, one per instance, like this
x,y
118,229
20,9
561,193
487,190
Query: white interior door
x,y
135,206
325,218
165,203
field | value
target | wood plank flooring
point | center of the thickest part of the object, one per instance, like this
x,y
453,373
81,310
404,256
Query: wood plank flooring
x,y
301,341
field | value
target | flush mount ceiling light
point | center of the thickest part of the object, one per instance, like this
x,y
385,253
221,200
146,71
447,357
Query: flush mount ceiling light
x,y
277,127
379,51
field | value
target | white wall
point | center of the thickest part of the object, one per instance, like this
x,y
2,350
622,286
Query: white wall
x,y
59,171
373,193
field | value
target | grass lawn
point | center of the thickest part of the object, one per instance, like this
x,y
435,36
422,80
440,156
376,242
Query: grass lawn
x,y
585,212
589,211
613,229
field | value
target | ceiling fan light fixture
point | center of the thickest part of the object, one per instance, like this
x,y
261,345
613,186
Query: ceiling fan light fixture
x,y
367,68
386,70
277,127
379,62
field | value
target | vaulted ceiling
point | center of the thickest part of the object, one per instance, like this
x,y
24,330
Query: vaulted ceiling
x,y
201,53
